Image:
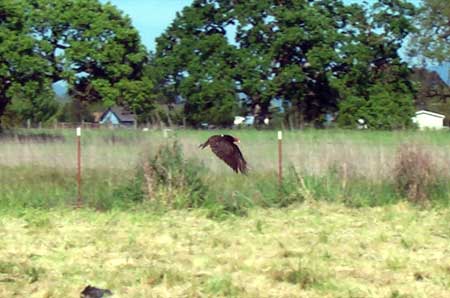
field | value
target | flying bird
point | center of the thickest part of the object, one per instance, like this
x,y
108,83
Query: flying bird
x,y
93,292
225,148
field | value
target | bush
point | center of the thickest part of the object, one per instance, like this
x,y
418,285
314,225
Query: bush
x,y
415,173
385,107
171,180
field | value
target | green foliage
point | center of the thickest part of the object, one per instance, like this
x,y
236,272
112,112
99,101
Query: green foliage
x,y
94,48
91,46
199,67
221,285
215,103
377,87
389,110
167,180
220,57
351,110
383,109
33,100
75,111
312,55
22,72
337,185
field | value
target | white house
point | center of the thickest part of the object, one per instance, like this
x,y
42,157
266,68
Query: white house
x,y
238,120
247,120
426,119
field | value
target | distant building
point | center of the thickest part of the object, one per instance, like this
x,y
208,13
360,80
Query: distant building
x,y
426,119
244,121
238,120
118,116
249,120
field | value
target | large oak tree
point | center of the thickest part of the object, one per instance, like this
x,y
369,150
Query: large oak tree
x,y
315,56
91,46
23,81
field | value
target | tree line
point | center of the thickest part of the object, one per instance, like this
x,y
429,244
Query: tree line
x,y
220,58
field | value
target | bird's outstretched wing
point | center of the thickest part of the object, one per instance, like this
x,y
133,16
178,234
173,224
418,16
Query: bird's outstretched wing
x,y
229,153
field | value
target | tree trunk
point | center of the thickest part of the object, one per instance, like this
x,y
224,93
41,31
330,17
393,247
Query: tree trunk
x,y
3,103
169,120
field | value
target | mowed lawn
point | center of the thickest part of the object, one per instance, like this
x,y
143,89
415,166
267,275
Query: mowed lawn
x,y
314,249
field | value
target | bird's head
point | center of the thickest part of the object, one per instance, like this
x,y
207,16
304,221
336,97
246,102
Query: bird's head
x,y
231,139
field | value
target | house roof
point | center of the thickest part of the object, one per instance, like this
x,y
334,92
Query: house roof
x,y
123,114
424,112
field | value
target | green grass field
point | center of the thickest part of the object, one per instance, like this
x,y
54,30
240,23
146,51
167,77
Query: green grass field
x,y
308,250
337,228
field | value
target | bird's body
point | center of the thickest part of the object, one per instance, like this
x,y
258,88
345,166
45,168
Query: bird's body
x,y
225,148
93,292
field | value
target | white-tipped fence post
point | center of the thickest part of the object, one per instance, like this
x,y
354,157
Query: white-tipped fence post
x,y
280,158
79,200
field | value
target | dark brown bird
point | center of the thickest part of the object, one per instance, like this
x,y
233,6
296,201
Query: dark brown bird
x,y
225,148
93,292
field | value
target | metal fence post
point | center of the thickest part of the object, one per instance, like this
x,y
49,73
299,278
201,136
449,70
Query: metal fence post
x,y
280,158
79,200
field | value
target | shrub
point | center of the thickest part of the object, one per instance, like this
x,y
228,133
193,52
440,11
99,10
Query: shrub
x,y
171,179
384,107
415,174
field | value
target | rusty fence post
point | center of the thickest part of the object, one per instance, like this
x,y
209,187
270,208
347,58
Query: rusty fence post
x,y
280,158
79,200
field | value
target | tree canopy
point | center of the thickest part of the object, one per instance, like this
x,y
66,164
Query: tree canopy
x,y
221,56
23,79
321,59
91,46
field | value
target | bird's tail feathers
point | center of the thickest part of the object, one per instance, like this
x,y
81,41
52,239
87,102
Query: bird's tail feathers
x,y
202,146
243,167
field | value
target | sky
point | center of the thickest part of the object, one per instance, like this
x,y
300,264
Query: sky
x,y
152,17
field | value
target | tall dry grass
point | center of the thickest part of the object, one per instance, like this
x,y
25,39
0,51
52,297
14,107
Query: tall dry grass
x,y
416,174
333,163
370,154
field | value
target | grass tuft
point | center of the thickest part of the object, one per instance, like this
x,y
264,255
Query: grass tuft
x,y
415,173
221,286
